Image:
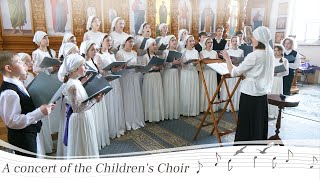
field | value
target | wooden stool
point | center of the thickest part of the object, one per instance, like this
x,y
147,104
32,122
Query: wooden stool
x,y
290,101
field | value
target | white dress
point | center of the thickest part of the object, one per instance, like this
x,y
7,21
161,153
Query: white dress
x,y
93,36
181,46
277,86
171,90
231,82
152,94
100,114
113,100
211,80
49,123
118,38
82,140
131,92
189,85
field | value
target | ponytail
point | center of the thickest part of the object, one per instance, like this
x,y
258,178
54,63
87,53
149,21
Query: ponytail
x,y
49,50
66,78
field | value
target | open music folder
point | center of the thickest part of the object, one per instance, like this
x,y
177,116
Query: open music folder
x,y
279,69
115,64
49,62
43,88
98,85
154,61
173,55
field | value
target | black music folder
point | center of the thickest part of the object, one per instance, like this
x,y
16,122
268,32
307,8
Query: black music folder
x,y
154,61
112,77
190,61
162,47
98,85
49,62
88,73
279,69
115,64
43,88
173,55
246,49
143,43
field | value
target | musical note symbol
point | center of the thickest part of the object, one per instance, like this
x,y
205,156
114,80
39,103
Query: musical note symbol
x,y
229,169
240,151
264,150
254,161
288,155
313,158
199,164
217,155
274,164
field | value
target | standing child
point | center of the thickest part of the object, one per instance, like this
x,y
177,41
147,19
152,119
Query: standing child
x,y
181,35
209,75
26,58
17,110
82,140
152,91
130,85
171,82
93,34
189,80
117,33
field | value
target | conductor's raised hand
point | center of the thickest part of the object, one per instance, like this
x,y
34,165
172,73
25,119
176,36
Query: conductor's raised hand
x,y
46,109
225,55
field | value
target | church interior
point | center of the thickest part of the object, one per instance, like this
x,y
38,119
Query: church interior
x,y
284,18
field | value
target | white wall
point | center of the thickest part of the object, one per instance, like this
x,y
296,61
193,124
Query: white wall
x,y
312,53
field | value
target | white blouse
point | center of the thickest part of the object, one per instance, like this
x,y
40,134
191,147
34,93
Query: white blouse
x,y
93,36
209,54
37,57
187,55
118,38
252,68
123,55
235,53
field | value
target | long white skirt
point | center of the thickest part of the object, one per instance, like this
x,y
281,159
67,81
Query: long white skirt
x,y
114,104
133,106
171,90
55,117
189,92
152,95
44,139
99,111
277,88
82,139
231,82
211,80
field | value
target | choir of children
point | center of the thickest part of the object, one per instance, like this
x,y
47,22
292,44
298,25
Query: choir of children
x,y
162,92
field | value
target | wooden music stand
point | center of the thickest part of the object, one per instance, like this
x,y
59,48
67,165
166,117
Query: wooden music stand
x,y
215,121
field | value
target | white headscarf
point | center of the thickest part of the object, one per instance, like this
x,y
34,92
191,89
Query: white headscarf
x,y
181,31
125,40
98,46
84,47
167,40
68,47
38,36
149,42
22,55
89,22
162,26
72,62
114,23
264,84
66,38
203,44
185,40
141,28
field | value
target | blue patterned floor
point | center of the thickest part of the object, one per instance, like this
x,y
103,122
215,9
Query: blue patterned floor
x,y
302,122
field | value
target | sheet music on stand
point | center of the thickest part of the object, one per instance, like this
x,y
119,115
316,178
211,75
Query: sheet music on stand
x,y
220,68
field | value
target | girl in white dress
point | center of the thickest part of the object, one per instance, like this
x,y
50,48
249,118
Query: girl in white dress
x,y
82,140
50,123
26,58
113,100
181,35
117,33
209,75
231,82
68,48
99,110
152,90
67,38
144,32
277,86
130,85
171,82
163,28
93,34
189,80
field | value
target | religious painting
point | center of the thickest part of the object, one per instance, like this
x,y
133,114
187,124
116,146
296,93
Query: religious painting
x,y
58,17
184,15
283,9
163,14
279,37
281,23
257,17
112,14
138,10
16,17
207,12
